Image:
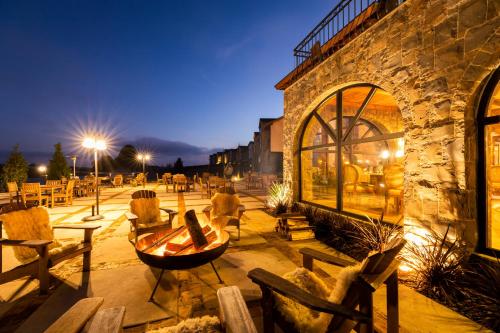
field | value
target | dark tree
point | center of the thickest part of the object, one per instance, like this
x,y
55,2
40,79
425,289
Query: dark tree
x,y
126,159
16,168
178,166
106,164
57,166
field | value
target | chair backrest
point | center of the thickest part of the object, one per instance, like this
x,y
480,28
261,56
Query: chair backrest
x,y
494,174
70,185
26,223
52,182
179,178
118,180
394,176
31,188
225,204
12,187
146,206
374,266
140,176
350,174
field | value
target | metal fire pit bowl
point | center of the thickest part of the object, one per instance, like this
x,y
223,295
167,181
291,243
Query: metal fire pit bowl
x,y
178,261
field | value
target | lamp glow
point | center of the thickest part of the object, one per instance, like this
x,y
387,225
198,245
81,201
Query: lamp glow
x,y
385,154
42,169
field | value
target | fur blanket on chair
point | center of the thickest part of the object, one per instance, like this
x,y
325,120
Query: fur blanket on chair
x,y
305,319
31,224
147,211
205,324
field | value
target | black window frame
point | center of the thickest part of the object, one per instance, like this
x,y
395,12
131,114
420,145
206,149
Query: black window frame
x,y
339,142
482,120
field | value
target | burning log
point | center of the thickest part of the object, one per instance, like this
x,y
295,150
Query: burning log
x,y
183,240
195,231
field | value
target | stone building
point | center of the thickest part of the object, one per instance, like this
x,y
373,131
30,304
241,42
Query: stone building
x,y
268,146
408,94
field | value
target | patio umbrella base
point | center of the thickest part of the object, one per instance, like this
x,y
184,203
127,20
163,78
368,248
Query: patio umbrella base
x,y
93,218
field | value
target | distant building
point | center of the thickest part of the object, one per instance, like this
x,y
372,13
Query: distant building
x,y
264,154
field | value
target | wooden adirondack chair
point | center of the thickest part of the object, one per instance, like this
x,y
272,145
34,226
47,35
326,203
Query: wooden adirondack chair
x,y
117,181
30,233
32,192
226,210
65,196
354,309
13,192
145,214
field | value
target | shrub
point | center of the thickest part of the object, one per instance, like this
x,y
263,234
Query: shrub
x,y
278,197
436,266
375,235
16,168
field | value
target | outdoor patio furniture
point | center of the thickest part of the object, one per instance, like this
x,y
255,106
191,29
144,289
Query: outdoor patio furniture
x,y
53,182
117,181
145,214
290,301
13,192
31,234
225,210
85,311
394,185
204,187
66,195
180,182
32,192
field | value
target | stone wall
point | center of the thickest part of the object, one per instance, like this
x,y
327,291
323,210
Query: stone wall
x,y
432,56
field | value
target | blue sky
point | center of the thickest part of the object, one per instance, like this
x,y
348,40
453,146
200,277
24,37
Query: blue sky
x,y
196,74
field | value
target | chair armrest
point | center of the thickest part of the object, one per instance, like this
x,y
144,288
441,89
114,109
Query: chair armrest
x,y
234,313
131,216
169,211
241,208
207,209
327,258
34,243
77,226
286,288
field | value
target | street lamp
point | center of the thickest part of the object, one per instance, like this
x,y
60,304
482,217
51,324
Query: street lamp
x,y
42,169
73,158
95,144
143,157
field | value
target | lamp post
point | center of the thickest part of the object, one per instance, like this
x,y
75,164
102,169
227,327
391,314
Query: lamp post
x,y
97,145
73,158
143,158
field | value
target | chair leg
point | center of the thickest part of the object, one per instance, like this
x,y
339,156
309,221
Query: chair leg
x,y
43,269
392,304
267,309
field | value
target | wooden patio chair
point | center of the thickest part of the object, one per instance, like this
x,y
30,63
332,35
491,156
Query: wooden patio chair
x,y
32,192
31,234
167,180
86,312
204,188
145,214
117,181
65,196
302,302
394,186
180,182
13,192
225,210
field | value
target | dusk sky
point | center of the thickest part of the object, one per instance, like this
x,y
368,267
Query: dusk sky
x,y
176,77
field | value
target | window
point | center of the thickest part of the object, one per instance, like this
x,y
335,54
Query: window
x,y
489,165
363,161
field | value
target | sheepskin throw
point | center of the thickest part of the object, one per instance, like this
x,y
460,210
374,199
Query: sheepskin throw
x,y
147,210
224,204
28,224
205,324
305,319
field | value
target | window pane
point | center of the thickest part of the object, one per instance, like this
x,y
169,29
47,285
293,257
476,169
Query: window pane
x,y
328,112
319,177
492,153
494,104
373,179
314,134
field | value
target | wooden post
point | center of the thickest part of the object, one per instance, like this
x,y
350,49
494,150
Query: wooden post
x,y
267,309
392,303
307,262
194,229
43,269
87,240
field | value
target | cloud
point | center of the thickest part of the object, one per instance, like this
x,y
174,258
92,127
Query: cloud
x,y
166,151
228,51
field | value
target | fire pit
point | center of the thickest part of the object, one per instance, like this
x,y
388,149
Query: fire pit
x,y
175,249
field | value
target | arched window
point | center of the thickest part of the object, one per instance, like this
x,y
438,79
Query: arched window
x,y
489,165
366,177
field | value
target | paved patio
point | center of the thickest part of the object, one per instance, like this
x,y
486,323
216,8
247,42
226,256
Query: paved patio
x,y
122,279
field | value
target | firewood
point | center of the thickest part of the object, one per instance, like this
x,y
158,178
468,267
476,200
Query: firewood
x,y
194,229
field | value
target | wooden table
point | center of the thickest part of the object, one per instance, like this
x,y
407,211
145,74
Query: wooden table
x,y
49,190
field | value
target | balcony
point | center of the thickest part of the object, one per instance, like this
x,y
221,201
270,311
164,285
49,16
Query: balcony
x,y
346,21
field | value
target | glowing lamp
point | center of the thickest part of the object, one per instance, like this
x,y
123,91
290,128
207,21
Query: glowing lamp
x,y
42,169
385,154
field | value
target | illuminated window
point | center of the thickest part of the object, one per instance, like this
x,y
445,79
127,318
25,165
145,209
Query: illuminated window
x,y
489,162
371,146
